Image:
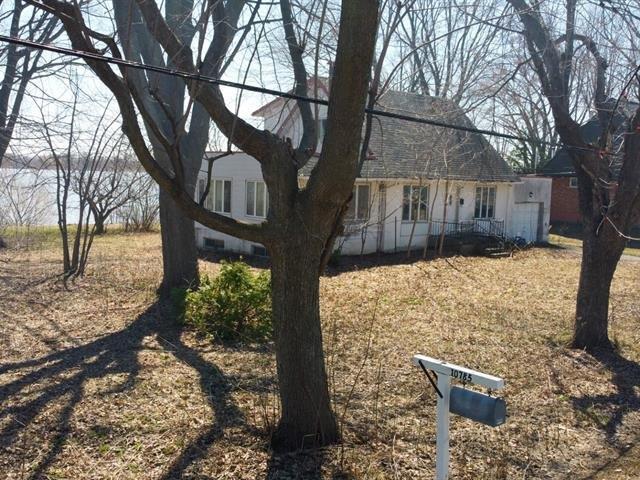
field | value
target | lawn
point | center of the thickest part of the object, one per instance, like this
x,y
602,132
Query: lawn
x,y
575,243
98,382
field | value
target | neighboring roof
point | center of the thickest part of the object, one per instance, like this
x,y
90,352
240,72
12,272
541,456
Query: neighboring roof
x,y
321,83
560,164
400,149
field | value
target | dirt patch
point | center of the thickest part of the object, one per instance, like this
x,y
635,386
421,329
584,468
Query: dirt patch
x,y
97,381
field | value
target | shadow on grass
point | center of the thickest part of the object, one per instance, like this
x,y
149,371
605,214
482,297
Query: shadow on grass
x,y
60,377
626,378
58,381
343,263
217,388
306,464
42,394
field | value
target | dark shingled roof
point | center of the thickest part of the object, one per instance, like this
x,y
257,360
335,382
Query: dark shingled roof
x,y
401,149
560,164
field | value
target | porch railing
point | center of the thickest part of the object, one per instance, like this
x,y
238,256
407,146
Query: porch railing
x,y
488,227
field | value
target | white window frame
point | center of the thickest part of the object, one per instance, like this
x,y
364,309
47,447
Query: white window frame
x,y
573,182
353,212
413,199
322,127
484,202
210,201
255,199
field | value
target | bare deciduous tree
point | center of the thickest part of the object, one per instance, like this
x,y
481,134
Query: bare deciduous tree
x,y
140,212
79,168
118,180
20,65
300,221
607,213
25,202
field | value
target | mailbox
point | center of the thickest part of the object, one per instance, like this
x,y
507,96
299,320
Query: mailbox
x,y
478,406
474,405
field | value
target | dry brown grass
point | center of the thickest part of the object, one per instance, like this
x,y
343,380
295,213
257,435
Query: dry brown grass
x,y
97,382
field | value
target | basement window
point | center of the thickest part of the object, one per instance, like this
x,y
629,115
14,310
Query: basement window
x,y
259,251
213,244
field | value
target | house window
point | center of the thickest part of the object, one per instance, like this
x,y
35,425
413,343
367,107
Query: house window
x,y
258,251
414,203
485,202
257,199
359,206
573,182
213,244
219,196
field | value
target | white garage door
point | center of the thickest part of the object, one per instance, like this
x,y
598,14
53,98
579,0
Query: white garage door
x,y
525,221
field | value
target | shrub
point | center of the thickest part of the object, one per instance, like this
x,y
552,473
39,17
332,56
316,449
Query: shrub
x,y
233,306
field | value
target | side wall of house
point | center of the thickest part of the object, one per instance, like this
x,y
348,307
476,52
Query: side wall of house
x,y
531,209
284,120
239,168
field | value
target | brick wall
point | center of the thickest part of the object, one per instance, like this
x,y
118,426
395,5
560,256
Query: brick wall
x,y
564,201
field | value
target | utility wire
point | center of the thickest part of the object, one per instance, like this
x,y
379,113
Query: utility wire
x,y
277,93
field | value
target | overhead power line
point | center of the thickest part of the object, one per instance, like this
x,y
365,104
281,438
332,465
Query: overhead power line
x,y
277,93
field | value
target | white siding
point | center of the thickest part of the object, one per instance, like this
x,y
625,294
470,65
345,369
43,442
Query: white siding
x,y
385,230
239,168
531,209
398,233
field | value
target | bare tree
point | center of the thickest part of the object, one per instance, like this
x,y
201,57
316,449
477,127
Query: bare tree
x,y
79,168
300,221
21,65
25,201
522,110
607,213
449,47
117,181
140,212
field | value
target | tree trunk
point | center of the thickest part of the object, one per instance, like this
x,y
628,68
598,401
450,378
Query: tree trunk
x,y
99,225
179,251
600,255
307,419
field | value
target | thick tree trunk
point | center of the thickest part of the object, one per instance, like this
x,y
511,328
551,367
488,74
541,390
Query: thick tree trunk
x,y
179,251
307,418
600,255
99,225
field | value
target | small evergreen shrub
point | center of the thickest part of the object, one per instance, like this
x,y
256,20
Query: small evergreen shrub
x,y
233,306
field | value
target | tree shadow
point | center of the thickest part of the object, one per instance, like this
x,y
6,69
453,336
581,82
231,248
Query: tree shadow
x,y
217,388
305,464
54,385
59,380
61,377
626,378
342,263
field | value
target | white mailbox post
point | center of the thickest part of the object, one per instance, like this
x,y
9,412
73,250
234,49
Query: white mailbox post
x,y
466,402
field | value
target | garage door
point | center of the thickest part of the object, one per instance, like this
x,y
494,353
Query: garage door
x,y
525,221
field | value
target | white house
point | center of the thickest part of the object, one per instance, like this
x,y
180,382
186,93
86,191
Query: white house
x,y
417,180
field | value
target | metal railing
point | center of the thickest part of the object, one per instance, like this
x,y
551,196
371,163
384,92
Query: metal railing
x,y
488,227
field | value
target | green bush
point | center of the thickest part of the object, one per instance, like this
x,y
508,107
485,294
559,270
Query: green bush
x,y
233,306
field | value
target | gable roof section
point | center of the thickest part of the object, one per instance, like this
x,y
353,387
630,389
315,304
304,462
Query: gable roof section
x,y
401,149
560,164
279,102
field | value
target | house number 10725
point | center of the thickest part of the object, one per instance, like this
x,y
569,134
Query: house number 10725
x,y
462,376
